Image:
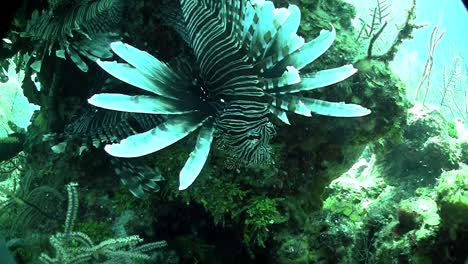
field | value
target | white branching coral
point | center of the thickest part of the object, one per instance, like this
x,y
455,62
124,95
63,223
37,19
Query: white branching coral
x,y
72,247
248,58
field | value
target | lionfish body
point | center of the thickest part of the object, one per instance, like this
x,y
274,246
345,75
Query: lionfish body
x,y
248,58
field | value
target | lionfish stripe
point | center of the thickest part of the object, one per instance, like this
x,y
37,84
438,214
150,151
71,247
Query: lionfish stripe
x,y
233,14
140,104
225,60
135,77
208,35
198,156
200,21
227,71
237,130
248,92
251,144
244,107
228,35
318,80
213,40
194,12
241,81
165,134
241,130
75,57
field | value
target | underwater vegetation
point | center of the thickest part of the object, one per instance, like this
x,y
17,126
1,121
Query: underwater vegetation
x,y
14,107
77,247
227,132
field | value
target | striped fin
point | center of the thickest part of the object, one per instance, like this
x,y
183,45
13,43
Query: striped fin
x,y
147,64
307,53
248,18
173,17
317,80
280,114
263,21
286,41
173,130
97,126
140,104
96,48
137,175
143,61
75,57
135,77
198,157
307,106
289,77
261,25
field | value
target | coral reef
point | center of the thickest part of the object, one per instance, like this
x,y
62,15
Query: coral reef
x,y
390,209
452,199
388,187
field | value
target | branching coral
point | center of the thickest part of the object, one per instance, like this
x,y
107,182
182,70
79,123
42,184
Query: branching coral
x,y
426,78
77,247
380,14
248,58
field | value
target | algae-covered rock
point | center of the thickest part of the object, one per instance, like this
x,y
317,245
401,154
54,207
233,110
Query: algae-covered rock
x,y
410,234
452,198
418,214
464,151
428,139
424,149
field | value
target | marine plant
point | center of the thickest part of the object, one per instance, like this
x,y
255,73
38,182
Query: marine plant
x,y
14,106
77,247
246,71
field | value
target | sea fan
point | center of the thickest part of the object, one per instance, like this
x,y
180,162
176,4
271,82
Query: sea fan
x,y
84,29
248,58
14,106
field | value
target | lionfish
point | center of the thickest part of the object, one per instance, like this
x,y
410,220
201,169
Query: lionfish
x,y
246,72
